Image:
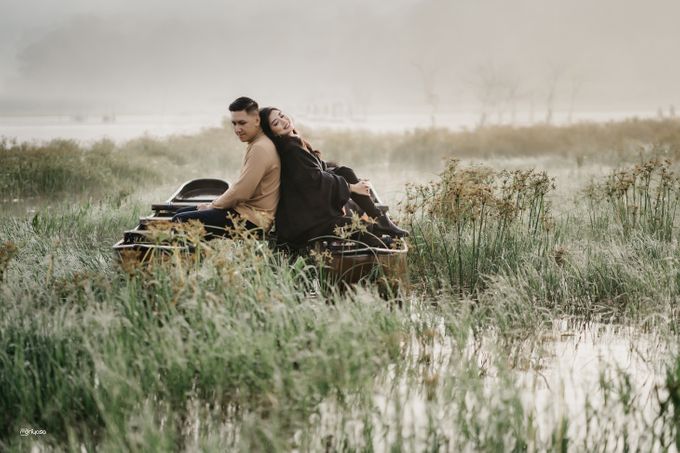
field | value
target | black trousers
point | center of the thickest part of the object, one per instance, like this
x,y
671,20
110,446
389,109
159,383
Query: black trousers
x,y
370,237
217,222
364,201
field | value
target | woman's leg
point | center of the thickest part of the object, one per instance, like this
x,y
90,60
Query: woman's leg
x,y
364,201
370,237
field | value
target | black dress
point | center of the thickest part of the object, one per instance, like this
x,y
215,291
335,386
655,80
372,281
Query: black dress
x,y
311,199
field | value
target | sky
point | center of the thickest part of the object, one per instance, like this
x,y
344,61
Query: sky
x,y
73,56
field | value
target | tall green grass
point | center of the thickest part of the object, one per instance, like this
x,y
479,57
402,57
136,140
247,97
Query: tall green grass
x,y
669,410
642,198
234,347
62,167
65,168
237,348
477,231
474,221
234,330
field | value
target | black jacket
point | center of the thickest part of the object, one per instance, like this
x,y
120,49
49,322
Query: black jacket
x,y
311,200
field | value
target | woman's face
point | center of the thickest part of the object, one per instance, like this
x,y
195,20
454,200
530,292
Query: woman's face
x,y
280,123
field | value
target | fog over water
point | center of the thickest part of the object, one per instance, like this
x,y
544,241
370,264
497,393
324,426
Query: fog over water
x,y
339,58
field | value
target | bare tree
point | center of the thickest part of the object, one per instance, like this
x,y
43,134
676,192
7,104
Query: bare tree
x,y
575,88
553,80
511,91
497,90
427,76
487,88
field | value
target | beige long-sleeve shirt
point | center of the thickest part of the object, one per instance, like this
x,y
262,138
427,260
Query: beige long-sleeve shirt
x,y
255,194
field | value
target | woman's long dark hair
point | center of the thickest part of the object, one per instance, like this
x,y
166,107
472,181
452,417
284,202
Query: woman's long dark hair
x,y
266,127
281,142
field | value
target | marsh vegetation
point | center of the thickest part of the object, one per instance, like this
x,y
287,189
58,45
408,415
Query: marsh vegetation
x,y
542,311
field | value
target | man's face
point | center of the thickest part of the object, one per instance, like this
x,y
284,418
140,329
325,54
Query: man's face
x,y
246,125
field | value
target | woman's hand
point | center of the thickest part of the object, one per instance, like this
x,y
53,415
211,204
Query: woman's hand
x,y
363,187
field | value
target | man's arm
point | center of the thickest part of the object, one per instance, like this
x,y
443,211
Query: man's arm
x,y
254,168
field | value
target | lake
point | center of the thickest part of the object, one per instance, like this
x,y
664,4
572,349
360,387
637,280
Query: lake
x,y
125,127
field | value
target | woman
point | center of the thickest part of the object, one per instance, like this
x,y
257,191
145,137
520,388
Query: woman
x,y
313,195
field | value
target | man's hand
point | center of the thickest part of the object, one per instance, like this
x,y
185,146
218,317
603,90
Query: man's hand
x,y
203,206
363,187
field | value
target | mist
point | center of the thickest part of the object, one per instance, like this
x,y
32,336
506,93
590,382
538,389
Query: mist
x,y
370,56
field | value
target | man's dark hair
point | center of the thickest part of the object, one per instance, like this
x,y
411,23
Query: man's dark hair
x,y
244,103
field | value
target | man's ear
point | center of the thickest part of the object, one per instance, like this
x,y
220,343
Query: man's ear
x,y
257,120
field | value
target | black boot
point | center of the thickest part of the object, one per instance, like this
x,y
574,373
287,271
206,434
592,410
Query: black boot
x,y
384,224
374,238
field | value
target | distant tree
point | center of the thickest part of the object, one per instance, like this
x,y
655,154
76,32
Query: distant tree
x,y
511,93
554,77
427,76
497,90
487,88
513,98
575,88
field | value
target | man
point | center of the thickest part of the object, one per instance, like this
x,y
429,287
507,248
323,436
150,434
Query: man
x,y
255,194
